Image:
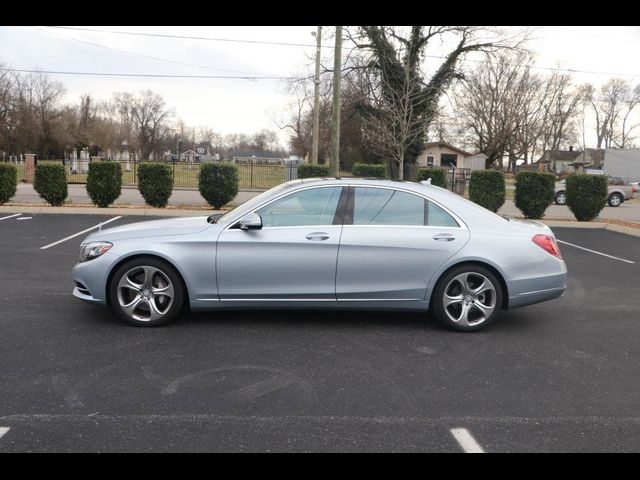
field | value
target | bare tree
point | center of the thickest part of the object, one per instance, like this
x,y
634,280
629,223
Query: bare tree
x,y
612,105
7,109
398,58
561,104
149,118
393,125
491,101
625,138
299,122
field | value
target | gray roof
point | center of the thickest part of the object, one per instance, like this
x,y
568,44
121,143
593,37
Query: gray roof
x,y
561,155
448,145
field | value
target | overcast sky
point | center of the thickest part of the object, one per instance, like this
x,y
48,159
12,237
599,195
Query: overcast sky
x,y
238,105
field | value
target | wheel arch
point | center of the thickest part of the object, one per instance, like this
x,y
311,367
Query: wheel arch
x,y
488,266
128,258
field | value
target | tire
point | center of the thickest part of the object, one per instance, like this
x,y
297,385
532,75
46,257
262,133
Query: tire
x,y
453,284
615,200
154,286
561,198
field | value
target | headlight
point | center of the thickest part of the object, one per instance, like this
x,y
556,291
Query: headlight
x,y
89,251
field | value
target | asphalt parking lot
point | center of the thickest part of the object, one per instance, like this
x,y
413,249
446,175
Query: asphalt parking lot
x,y
559,376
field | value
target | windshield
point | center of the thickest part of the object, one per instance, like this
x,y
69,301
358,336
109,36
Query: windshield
x,y
254,202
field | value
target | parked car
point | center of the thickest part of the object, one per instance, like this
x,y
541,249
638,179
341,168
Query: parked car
x,y
327,243
618,192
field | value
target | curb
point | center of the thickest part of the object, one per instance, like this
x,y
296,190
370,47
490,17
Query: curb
x,y
140,211
634,232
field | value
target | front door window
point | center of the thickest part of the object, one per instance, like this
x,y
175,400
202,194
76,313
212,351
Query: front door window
x,y
316,206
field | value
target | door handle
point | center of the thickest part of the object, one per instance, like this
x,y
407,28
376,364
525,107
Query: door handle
x,y
317,236
444,237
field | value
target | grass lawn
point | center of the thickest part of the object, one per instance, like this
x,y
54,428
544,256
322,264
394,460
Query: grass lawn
x,y
256,176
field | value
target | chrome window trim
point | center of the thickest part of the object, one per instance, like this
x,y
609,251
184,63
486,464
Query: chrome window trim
x,y
286,194
455,217
462,225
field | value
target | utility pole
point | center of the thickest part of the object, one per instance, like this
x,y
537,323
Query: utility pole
x,y
335,120
316,99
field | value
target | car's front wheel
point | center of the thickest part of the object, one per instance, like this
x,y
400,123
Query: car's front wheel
x,y
615,200
467,298
146,292
561,198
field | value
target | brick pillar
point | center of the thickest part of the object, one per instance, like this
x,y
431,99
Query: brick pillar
x,y
29,166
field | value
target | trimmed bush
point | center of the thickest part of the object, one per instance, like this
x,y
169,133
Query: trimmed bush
x,y
586,195
486,188
438,176
307,170
155,183
218,183
50,181
534,193
8,181
104,183
369,170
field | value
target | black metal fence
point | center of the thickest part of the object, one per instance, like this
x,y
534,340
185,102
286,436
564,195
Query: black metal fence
x,y
252,175
185,174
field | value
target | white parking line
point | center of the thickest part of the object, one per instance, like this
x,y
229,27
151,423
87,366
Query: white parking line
x,y
466,440
10,216
3,430
594,251
79,233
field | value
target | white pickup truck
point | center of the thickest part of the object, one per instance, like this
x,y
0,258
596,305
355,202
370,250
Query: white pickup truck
x,y
618,192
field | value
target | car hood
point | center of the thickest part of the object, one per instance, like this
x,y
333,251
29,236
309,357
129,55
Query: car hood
x,y
152,228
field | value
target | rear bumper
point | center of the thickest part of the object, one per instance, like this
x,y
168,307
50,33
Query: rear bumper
x,y
530,298
528,291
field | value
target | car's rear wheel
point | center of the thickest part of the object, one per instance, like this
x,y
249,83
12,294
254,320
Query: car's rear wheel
x,y
146,292
615,200
561,198
467,298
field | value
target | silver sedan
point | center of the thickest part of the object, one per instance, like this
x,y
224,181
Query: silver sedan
x,y
327,243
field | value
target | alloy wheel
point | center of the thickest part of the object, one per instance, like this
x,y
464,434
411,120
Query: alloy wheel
x,y
469,299
145,293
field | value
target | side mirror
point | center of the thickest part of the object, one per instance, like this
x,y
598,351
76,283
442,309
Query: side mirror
x,y
251,221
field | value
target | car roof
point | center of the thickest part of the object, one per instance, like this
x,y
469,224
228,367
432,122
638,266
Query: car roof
x,y
357,181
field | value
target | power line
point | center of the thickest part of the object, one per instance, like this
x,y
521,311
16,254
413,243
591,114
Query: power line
x,y
440,57
186,37
553,69
145,56
597,35
151,75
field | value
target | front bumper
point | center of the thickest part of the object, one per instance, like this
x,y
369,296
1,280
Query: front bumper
x,y
86,298
90,279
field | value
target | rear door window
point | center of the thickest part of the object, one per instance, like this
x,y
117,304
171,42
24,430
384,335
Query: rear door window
x,y
384,206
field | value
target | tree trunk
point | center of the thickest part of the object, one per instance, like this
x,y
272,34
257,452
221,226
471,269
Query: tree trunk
x,y
512,162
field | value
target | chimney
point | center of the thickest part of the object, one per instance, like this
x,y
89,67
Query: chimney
x,y
571,148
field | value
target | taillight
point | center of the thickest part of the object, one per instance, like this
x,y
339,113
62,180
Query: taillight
x,y
547,243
